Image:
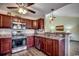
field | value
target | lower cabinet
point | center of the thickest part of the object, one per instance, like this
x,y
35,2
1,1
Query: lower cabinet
x,y
55,47
5,46
37,42
62,47
43,44
51,47
30,41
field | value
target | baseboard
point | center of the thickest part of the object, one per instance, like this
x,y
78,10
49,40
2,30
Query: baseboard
x,y
74,40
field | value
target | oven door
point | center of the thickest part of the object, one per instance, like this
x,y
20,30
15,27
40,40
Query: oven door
x,y
18,42
18,45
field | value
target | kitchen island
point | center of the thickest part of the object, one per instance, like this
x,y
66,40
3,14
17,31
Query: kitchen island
x,y
53,44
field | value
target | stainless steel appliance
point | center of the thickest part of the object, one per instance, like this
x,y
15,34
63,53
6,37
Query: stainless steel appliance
x,y
18,42
18,37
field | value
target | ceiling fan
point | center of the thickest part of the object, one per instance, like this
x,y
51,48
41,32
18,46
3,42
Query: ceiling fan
x,y
22,8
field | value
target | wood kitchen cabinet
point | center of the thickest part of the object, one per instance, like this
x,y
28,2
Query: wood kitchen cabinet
x,y
58,47
28,24
43,44
49,47
35,24
37,42
0,21
16,19
41,23
62,47
52,47
30,41
5,46
55,47
23,20
6,21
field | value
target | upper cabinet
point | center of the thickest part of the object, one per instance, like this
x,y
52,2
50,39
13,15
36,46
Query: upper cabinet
x,y
15,19
5,21
41,23
22,20
28,24
18,19
38,24
35,24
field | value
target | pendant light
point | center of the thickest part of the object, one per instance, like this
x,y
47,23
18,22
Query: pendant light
x,y
52,17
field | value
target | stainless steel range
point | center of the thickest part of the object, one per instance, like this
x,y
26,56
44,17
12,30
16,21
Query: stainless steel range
x,y
18,37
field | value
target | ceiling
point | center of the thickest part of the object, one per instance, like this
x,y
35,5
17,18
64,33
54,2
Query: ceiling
x,y
40,8
68,10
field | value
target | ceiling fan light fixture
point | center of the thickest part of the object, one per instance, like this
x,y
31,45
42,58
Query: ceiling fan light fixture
x,y
22,11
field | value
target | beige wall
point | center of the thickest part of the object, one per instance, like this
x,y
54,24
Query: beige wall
x,y
72,22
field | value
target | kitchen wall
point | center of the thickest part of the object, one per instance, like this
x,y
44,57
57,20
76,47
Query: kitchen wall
x,y
29,32
71,24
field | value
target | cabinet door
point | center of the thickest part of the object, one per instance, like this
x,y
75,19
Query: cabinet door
x,y
6,21
37,42
30,41
35,24
15,19
41,23
6,46
43,44
62,47
0,21
27,26
28,23
23,21
49,46
55,47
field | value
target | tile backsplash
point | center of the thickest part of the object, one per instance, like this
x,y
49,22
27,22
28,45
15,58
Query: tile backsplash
x,y
29,32
5,33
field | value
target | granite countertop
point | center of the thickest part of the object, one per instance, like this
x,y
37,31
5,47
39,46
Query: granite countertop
x,y
50,37
6,36
5,33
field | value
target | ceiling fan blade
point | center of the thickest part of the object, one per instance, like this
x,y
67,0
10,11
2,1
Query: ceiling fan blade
x,y
29,4
24,4
31,11
12,7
